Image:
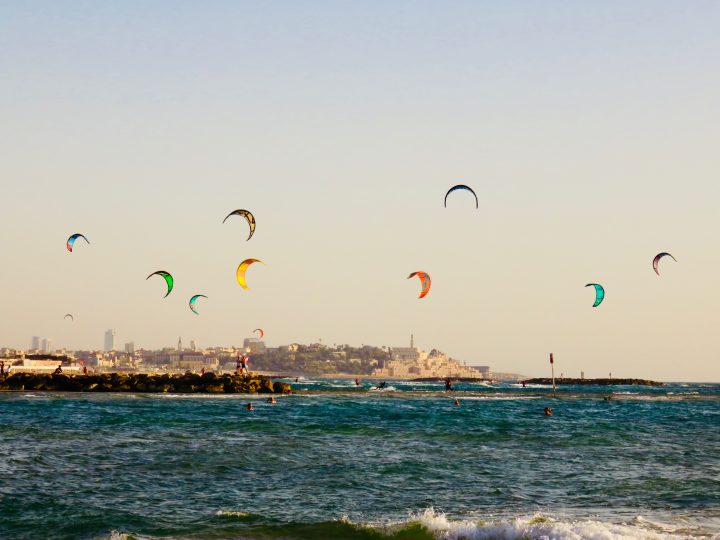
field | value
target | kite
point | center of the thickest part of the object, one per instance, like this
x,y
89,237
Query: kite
x,y
424,281
69,315
462,186
168,279
71,241
240,274
657,258
262,332
599,293
248,216
192,302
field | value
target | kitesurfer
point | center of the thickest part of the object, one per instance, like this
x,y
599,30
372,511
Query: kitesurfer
x,y
548,411
244,363
523,384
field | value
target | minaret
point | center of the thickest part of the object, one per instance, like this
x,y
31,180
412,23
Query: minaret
x,y
180,344
412,341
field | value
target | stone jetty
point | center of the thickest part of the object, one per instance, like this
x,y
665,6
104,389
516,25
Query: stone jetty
x,y
596,382
209,383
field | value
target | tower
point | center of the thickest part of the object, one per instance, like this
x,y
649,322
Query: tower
x,y
179,348
412,341
109,340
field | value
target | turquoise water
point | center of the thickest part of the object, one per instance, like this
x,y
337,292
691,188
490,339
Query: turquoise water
x,y
333,461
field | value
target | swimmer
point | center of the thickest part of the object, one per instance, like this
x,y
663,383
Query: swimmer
x,y
271,400
250,407
448,385
457,403
382,385
357,382
608,397
548,411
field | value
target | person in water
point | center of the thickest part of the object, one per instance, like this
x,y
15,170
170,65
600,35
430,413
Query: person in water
x,y
250,407
548,411
357,382
448,385
383,384
457,402
272,400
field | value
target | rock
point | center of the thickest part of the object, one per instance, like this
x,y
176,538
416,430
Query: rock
x,y
143,382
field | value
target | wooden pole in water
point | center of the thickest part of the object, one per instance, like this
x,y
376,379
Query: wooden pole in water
x,y
552,369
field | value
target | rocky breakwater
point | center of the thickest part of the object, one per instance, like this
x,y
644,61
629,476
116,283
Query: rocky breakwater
x,y
209,383
597,382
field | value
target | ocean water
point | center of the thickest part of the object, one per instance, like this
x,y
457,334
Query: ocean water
x,y
336,461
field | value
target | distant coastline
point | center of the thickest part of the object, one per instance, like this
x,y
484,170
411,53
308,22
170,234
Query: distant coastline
x,y
595,382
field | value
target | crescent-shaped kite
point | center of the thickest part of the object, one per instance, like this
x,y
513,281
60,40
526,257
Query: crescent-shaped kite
x,y
168,279
192,302
69,315
424,282
462,186
71,241
657,258
240,274
262,332
248,216
599,293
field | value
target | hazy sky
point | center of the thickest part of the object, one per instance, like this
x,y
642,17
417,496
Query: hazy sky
x,y
588,130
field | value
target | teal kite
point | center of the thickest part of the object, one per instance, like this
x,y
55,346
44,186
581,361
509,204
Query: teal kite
x,y
192,302
599,293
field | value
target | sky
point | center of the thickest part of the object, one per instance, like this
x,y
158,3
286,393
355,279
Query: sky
x,y
588,131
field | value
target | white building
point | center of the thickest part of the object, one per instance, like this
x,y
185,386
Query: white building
x,y
130,347
109,340
46,345
35,343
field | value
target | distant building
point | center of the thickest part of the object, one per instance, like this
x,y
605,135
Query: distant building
x,y
35,343
254,345
179,345
109,340
130,347
46,345
484,370
411,362
194,345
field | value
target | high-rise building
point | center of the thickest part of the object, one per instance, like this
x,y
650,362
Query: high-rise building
x,y
110,340
193,345
35,343
46,345
179,346
130,347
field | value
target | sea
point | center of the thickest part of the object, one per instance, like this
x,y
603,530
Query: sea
x,y
336,460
